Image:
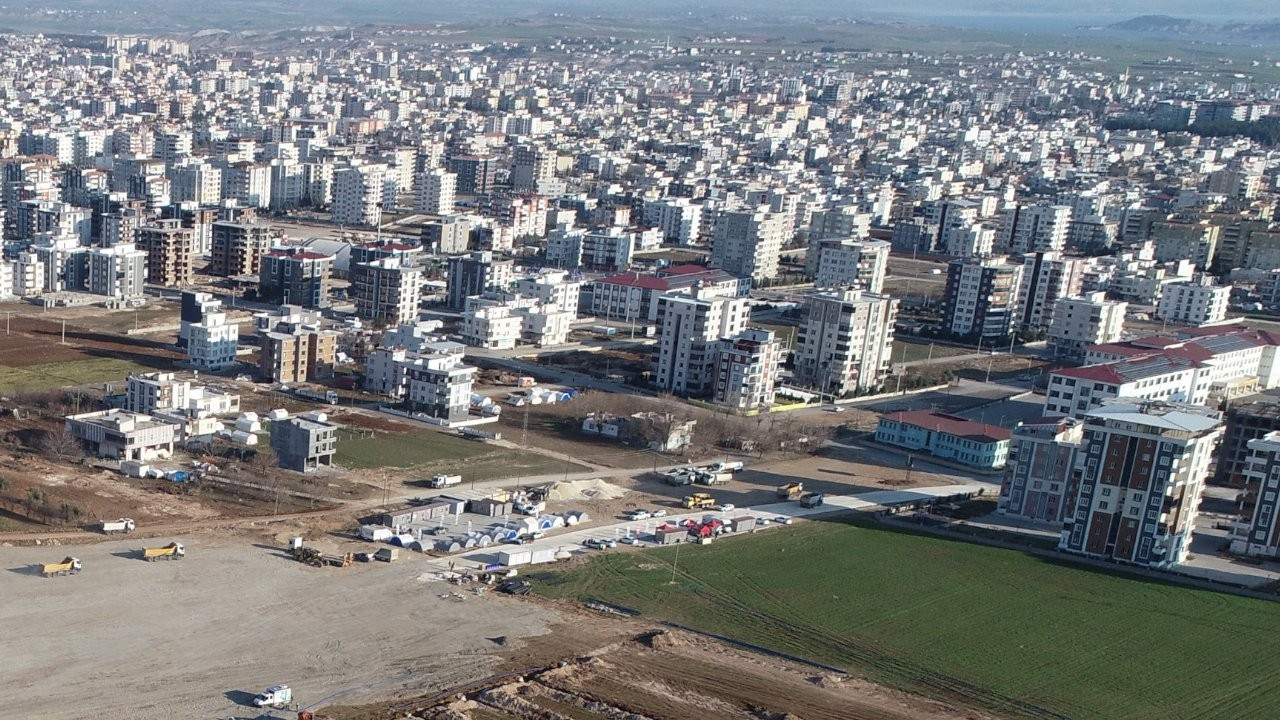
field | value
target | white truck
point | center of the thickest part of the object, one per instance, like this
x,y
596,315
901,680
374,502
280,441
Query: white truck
x,y
123,525
274,696
444,481
731,466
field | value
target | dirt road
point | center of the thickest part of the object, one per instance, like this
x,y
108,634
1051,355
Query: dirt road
x,y
197,637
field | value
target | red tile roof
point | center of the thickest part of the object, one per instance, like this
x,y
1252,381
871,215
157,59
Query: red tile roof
x,y
951,425
1096,373
687,269
636,280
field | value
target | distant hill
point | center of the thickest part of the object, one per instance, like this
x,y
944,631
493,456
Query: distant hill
x,y
1169,25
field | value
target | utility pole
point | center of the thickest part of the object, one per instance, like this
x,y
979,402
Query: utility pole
x,y
64,332
674,565
8,314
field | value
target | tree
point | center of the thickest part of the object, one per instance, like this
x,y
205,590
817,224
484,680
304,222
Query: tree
x,y
36,496
61,444
71,511
5,484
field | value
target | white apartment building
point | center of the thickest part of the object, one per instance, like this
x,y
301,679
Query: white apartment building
x,y
861,264
552,288
212,342
609,249
545,326
118,272
688,328
28,274
439,385
845,341
493,327
1079,322
749,242
1257,534
195,181
680,220
1046,276
358,194
747,367
249,183
1033,228
6,280
1199,301
436,192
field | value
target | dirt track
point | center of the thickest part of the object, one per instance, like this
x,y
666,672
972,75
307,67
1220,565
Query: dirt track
x,y
133,640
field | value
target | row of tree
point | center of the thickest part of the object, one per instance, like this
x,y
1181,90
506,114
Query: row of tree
x,y
1265,132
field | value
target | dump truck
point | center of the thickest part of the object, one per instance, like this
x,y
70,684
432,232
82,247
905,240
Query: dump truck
x,y
791,491
444,481
68,566
811,500
731,466
123,525
698,501
708,477
172,551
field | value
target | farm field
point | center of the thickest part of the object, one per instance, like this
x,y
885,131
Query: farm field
x,y
985,627
432,452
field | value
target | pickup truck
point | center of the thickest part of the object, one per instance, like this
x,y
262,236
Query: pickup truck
x,y
274,696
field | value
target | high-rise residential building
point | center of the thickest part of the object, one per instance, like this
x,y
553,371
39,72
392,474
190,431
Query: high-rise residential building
x,y
1038,471
238,247
476,173
1046,276
845,341
1141,469
359,194
1257,533
474,274
1246,419
170,249
982,298
1033,228
439,384
531,167
1079,322
679,219
435,193
749,242
1200,301
212,342
295,276
1176,240
747,366
688,330
247,182
119,272
386,291
296,353
848,263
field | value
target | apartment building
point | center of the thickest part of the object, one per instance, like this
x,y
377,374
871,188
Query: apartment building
x,y
1046,277
360,193
171,252
982,298
436,192
1038,472
1079,322
304,443
118,272
848,263
1200,301
212,341
474,274
747,367
1257,533
688,329
296,276
749,242
237,247
1033,228
439,385
845,341
294,347
386,291
1142,467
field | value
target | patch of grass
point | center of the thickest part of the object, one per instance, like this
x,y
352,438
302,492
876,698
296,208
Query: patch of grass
x,y
431,452
785,333
905,351
89,371
998,629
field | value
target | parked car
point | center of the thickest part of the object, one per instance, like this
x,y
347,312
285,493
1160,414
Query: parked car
x,y
608,544
629,540
657,513
727,507
762,521
782,520
636,515
835,409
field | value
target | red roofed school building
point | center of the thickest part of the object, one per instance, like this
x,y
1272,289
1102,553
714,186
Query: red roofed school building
x,y
945,436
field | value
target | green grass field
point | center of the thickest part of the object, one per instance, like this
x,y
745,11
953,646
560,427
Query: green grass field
x,y
904,351
61,374
997,629
436,452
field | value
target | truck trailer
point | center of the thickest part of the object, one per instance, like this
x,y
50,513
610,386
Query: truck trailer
x,y
123,525
68,566
172,551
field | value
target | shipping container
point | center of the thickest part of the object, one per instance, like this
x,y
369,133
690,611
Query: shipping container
x,y
511,558
545,555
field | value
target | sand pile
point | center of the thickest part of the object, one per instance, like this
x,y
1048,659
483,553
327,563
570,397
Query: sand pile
x,y
585,490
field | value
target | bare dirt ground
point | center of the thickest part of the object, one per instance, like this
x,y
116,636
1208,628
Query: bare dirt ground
x,y
607,667
37,340
197,637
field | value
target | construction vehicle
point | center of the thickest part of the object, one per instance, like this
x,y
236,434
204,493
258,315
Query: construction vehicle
x,y
123,525
791,491
444,481
68,566
731,466
315,558
699,501
274,696
811,500
709,477
172,551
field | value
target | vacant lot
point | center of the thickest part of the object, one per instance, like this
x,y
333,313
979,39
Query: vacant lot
x,y
197,637
994,628
33,355
908,351
429,452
